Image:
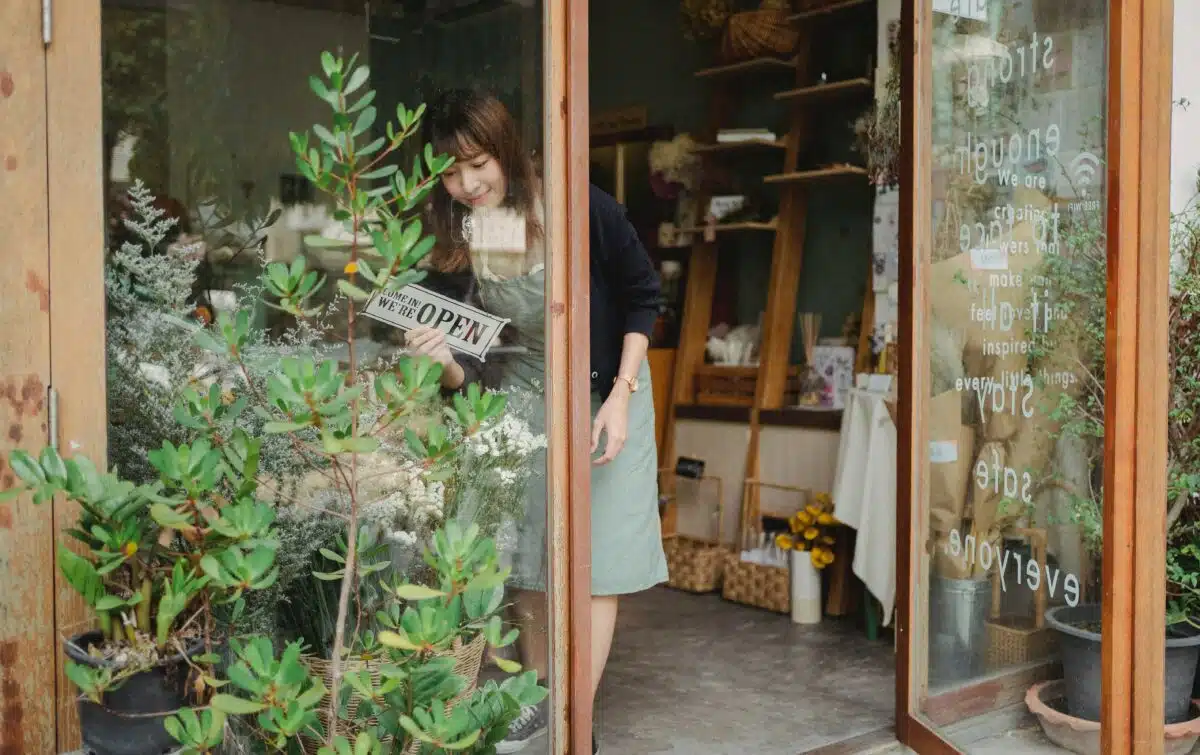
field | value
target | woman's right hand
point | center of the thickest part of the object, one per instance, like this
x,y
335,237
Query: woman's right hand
x,y
429,342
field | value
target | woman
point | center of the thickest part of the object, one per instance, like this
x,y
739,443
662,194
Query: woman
x,y
493,174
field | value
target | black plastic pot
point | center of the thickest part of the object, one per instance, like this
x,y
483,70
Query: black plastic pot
x,y
127,724
1081,664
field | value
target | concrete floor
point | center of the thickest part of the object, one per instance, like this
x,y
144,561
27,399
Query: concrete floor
x,y
698,675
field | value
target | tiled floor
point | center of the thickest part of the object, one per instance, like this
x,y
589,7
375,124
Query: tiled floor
x,y
698,675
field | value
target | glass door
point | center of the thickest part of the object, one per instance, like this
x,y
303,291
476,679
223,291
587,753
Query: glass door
x,y
245,150
1022,343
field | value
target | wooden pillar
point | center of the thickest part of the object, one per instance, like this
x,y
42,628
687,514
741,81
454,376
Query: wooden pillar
x,y
28,646
76,246
1149,502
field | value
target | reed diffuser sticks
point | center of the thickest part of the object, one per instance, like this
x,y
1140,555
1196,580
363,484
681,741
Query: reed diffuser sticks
x,y
810,331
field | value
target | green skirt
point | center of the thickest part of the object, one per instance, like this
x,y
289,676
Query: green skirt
x,y
627,552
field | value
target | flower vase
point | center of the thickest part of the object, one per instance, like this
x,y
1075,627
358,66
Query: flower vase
x,y
806,589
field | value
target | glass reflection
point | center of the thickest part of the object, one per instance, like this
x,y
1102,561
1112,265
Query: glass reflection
x,y
1017,293
276,226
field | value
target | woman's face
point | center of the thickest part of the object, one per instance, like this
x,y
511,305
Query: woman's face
x,y
476,182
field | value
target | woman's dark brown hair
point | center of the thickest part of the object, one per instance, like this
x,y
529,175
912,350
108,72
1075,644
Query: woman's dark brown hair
x,y
464,123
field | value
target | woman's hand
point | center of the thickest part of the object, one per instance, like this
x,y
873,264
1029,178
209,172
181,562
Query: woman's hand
x,y
429,342
613,421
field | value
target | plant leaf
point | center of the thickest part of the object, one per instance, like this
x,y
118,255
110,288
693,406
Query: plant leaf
x,y
236,706
505,665
417,592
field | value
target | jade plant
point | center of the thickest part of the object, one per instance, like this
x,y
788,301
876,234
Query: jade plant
x,y
167,564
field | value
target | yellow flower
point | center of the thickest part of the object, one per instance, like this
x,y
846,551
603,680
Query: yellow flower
x,y
784,541
801,545
794,524
811,533
827,540
825,519
804,518
813,509
129,549
823,499
351,268
815,557
827,557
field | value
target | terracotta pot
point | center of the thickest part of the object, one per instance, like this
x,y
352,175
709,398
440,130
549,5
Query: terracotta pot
x,y
1047,701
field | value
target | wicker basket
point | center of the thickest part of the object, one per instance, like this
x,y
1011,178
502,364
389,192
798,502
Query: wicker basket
x,y
725,385
750,584
694,564
1018,640
758,33
468,659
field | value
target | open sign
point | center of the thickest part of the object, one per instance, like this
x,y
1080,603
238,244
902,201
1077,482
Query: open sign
x,y
468,330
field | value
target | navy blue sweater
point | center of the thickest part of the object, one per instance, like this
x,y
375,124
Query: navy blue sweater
x,y
626,296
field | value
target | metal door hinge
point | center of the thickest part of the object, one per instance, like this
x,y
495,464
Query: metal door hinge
x,y
52,412
47,21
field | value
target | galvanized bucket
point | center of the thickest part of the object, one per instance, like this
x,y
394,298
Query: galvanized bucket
x,y
958,610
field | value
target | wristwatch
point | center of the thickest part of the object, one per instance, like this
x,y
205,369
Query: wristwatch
x,y
631,382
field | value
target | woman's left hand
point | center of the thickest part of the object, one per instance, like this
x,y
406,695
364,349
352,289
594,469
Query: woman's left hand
x,y
613,421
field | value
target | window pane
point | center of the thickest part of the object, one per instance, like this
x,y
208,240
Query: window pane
x,y
280,216
1017,298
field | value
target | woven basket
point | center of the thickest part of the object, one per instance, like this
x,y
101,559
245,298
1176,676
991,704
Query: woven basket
x,y
758,33
1018,640
468,659
756,585
694,564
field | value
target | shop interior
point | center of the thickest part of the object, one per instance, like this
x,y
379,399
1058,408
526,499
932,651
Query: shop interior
x,y
756,149
751,153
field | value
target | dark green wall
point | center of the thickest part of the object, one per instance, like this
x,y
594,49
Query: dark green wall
x,y
639,56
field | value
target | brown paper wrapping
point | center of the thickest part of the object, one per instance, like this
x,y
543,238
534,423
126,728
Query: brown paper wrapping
x,y
948,480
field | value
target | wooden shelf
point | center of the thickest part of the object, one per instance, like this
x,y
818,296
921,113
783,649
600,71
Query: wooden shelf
x,y
808,419
725,227
823,174
809,15
748,145
826,91
757,65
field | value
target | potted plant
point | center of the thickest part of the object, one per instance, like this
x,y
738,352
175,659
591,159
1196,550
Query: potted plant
x,y
1080,279
168,564
157,562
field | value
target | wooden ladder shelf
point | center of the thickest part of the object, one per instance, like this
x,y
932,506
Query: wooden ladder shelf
x,y
787,253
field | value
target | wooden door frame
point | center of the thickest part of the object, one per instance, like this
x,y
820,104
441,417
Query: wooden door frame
x,y
569,387
1138,209
77,333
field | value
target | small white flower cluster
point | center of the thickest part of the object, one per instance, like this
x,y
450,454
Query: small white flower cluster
x,y
401,502
508,438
